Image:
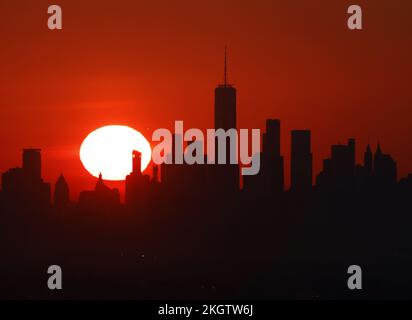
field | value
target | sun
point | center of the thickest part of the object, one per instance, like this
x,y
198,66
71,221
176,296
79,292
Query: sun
x,y
108,150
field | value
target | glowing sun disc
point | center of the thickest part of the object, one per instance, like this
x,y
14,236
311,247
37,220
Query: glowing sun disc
x,y
108,150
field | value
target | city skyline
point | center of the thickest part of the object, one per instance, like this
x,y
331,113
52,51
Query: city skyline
x,y
144,94
284,176
114,64
341,165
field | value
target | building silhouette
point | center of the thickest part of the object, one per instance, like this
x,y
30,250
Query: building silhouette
x,y
385,169
181,232
272,161
137,184
270,179
368,160
301,161
101,198
32,163
24,187
406,183
338,172
61,193
198,180
225,118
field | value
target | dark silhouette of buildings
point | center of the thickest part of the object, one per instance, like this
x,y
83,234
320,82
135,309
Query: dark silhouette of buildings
x,y
25,186
301,161
32,163
181,232
368,160
198,180
270,179
101,198
338,172
61,193
364,173
272,161
406,183
385,170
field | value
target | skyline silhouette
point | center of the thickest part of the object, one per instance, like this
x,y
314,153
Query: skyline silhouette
x,y
315,75
194,232
339,171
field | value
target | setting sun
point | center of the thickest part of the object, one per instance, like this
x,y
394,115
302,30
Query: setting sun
x,y
108,150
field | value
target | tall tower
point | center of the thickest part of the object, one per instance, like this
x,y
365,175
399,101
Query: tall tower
x,y
225,118
225,103
385,169
137,184
61,193
368,160
24,187
301,161
32,163
273,162
137,162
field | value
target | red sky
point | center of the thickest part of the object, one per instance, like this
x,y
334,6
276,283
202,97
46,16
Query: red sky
x,y
148,63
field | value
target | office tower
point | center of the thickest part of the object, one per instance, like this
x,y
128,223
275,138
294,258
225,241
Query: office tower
x,y
32,163
225,104
61,193
272,161
339,171
324,178
225,118
364,173
343,166
368,160
137,162
406,183
385,169
137,184
352,150
170,171
24,187
301,161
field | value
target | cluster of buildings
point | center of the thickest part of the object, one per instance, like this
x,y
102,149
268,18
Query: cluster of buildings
x,y
340,172
24,185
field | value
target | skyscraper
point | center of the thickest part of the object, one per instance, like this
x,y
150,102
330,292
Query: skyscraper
x,y
225,118
272,161
137,184
343,166
385,169
225,104
368,160
137,162
24,187
61,193
32,163
301,161
338,172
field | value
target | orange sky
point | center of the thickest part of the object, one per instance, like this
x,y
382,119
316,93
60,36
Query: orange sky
x,y
149,63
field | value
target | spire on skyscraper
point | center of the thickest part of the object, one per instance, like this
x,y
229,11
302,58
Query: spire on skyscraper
x,y
368,159
378,149
225,83
61,192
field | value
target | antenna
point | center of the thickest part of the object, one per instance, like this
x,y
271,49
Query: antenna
x,y
225,66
